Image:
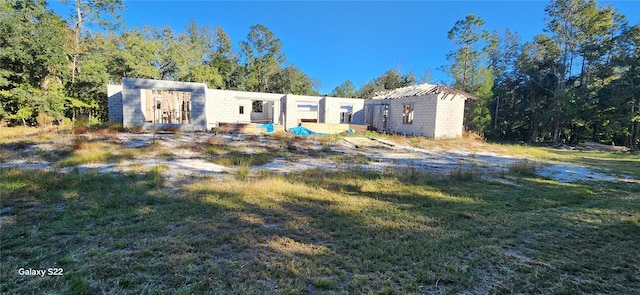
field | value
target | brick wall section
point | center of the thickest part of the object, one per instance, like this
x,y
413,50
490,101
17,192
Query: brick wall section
x,y
449,116
114,94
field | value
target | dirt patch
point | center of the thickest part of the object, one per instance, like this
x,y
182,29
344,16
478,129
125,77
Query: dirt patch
x,y
186,155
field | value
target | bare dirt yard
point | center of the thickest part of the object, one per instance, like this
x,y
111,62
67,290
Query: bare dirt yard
x,y
180,156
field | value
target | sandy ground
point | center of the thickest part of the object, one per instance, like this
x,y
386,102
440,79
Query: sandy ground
x,y
378,154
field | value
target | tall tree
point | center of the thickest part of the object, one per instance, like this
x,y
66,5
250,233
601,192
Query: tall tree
x,y
197,46
391,79
33,61
292,80
138,56
262,57
104,13
225,61
346,89
469,69
503,52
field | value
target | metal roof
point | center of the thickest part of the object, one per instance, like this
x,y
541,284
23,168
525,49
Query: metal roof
x,y
420,90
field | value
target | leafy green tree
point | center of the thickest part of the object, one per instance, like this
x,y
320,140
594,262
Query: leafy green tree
x,y
104,13
346,89
292,80
137,58
225,61
33,60
503,52
262,57
470,71
390,79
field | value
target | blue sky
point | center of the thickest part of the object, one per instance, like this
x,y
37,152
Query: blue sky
x,y
335,41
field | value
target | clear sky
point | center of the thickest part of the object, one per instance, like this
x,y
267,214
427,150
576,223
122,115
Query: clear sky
x,y
335,41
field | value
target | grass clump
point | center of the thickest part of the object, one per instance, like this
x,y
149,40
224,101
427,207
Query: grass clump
x,y
242,159
523,167
465,173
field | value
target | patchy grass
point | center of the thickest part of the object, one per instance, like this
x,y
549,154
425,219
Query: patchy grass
x,y
523,167
311,232
611,162
34,135
243,159
96,152
465,173
314,232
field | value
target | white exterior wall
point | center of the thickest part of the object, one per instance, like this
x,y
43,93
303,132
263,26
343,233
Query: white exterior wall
x,y
223,106
132,108
114,107
424,115
449,115
332,106
293,115
209,107
433,115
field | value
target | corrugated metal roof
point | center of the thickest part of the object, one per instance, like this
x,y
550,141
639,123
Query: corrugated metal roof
x,y
419,90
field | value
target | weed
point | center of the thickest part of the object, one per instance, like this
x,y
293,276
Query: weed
x,y
523,167
242,159
242,173
325,283
465,173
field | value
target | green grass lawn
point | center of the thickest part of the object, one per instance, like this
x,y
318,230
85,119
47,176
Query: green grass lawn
x,y
321,233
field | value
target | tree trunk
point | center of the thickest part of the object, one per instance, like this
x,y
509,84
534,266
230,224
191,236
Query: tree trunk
x,y
634,129
76,45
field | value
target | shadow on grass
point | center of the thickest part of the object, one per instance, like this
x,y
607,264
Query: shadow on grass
x,y
314,232
623,163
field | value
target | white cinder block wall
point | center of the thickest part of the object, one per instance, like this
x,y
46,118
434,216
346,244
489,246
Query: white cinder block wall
x,y
114,108
424,115
209,107
332,106
434,115
132,108
223,106
449,115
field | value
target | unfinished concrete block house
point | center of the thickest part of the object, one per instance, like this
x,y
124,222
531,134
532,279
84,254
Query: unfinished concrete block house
x,y
156,104
427,110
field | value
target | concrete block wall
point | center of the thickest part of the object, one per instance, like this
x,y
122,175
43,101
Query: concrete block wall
x,y
424,115
132,112
293,115
449,115
223,106
267,112
114,108
332,106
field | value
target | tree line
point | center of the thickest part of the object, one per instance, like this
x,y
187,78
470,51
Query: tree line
x,y
578,80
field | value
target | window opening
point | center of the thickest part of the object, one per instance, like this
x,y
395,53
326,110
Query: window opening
x,y
407,114
257,106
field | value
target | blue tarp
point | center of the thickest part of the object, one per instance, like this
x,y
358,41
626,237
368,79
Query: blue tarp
x,y
301,131
267,126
